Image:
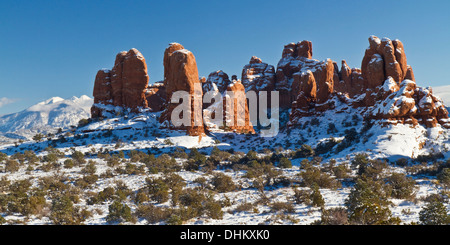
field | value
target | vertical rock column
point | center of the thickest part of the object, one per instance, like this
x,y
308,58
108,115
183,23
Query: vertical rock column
x,y
181,74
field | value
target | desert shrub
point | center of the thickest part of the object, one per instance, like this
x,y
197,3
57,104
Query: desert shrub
x,y
107,194
285,163
368,167
179,153
21,199
302,196
38,137
140,197
113,161
122,190
196,203
174,219
158,189
89,168
31,157
223,183
444,177
265,171
313,176
163,163
218,156
244,207
68,163
152,213
360,159
285,207
342,171
119,212
316,197
334,216
196,156
3,156
367,203
400,185
83,122
133,169
51,158
202,181
78,158
64,213
12,166
304,151
86,181
176,184
434,213
136,156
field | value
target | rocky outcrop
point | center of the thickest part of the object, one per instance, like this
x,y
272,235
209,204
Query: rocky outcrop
x,y
350,80
297,59
156,96
384,88
102,91
258,76
124,85
216,80
236,110
181,74
234,106
384,58
306,89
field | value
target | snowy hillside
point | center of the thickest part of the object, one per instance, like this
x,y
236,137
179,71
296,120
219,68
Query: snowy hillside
x,y
45,117
444,93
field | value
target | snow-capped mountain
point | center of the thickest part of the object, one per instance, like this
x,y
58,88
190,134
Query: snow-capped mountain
x,y
45,117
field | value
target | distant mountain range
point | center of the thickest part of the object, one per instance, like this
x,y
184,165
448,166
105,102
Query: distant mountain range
x,y
44,117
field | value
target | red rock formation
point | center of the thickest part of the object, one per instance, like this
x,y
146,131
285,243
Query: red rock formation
x,y
258,76
134,80
102,91
217,79
181,74
297,58
156,97
324,76
306,89
236,111
116,79
304,49
384,58
124,85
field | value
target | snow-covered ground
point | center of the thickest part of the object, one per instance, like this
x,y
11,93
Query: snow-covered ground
x,y
143,132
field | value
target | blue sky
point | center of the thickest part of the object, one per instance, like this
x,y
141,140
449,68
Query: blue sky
x,y
55,48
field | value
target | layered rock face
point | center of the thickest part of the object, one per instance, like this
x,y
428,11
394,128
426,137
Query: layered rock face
x,y
124,85
297,59
384,86
181,74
